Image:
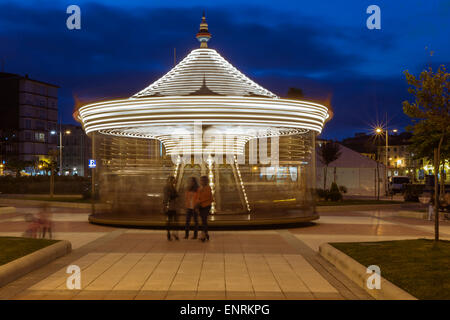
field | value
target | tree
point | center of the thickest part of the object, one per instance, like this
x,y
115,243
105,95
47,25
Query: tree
x,y
329,151
295,93
424,142
52,163
430,113
17,165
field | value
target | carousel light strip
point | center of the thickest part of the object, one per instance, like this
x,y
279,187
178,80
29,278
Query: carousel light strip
x,y
185,101
242,183
280,121
177,166
204,65
120,113
255,123
227,145
246,107
211,183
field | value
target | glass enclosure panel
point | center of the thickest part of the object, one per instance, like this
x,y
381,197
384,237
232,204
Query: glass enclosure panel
x,y
131,174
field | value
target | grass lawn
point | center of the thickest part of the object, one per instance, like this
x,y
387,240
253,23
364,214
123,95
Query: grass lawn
x,y
12,248
355,202
416,266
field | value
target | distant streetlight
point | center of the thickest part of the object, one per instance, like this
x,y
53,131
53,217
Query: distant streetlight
x,y
53,132
379,131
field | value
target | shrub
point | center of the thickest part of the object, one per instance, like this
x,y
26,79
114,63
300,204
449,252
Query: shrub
x,y
334,194
41,185
412,192
343,189
322,193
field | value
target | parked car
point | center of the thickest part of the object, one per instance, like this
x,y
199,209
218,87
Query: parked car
x,y
397,184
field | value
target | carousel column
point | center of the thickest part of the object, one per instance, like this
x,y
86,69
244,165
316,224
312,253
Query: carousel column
x,y
178,172
217,187
93,174
240,185
313,170
211,182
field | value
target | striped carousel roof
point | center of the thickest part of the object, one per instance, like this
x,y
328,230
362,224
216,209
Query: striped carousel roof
x,y
204,72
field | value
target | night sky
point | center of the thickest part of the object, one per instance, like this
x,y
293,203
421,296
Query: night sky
x,y
321,46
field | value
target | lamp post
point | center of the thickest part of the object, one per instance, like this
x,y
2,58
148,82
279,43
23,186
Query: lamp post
x,y
379,131
60,147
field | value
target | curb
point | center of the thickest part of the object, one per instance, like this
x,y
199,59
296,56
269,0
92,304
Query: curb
x,y
412,214
19,267
7,210
366,207
357,273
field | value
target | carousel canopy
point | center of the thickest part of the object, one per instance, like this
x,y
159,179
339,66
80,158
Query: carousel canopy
x,y
204,72
203,88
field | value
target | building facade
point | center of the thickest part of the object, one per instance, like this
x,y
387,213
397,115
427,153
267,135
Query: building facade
x,y
401,161
29,113
76,150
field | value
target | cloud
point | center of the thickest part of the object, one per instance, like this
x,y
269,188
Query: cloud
x,y
119,51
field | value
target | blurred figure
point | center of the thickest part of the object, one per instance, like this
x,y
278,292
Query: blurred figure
x,y
33,228
431,207
170,207
446,205
45,221
205,200
191,202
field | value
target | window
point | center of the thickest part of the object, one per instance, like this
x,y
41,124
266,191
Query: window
x,y
39,136
27,124
27,136
40,125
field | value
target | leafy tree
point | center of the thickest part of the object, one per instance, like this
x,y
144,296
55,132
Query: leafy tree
x,y
295,93
18,165
430,113
329,151
52,163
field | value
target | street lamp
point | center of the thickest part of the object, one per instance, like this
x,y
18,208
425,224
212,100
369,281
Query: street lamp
x,y
379,131
53,132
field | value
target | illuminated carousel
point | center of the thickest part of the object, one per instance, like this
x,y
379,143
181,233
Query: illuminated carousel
x,y
204,117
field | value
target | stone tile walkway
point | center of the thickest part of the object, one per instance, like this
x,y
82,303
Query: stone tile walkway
x,y
232,265
142,264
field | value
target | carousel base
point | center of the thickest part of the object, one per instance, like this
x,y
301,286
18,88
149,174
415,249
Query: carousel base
x,y
274,220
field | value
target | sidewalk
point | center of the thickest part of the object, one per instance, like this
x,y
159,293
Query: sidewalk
x,y
233,265
266,264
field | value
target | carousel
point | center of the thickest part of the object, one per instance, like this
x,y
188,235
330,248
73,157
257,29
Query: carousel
x,y
204,117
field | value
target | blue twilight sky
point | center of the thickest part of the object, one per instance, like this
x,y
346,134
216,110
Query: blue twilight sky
x,y
321,46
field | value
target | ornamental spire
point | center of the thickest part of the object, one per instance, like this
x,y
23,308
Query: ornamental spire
x,y
203,34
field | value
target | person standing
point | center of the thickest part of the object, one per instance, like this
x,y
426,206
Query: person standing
x,y
191,203
170,207
205,200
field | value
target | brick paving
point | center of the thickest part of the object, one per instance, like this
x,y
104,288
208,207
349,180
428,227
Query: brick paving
x,y
142,264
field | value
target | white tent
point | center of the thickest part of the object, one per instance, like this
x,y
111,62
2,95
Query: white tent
x,y
356,172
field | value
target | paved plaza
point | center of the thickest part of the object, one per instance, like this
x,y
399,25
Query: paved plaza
x,y
118,263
